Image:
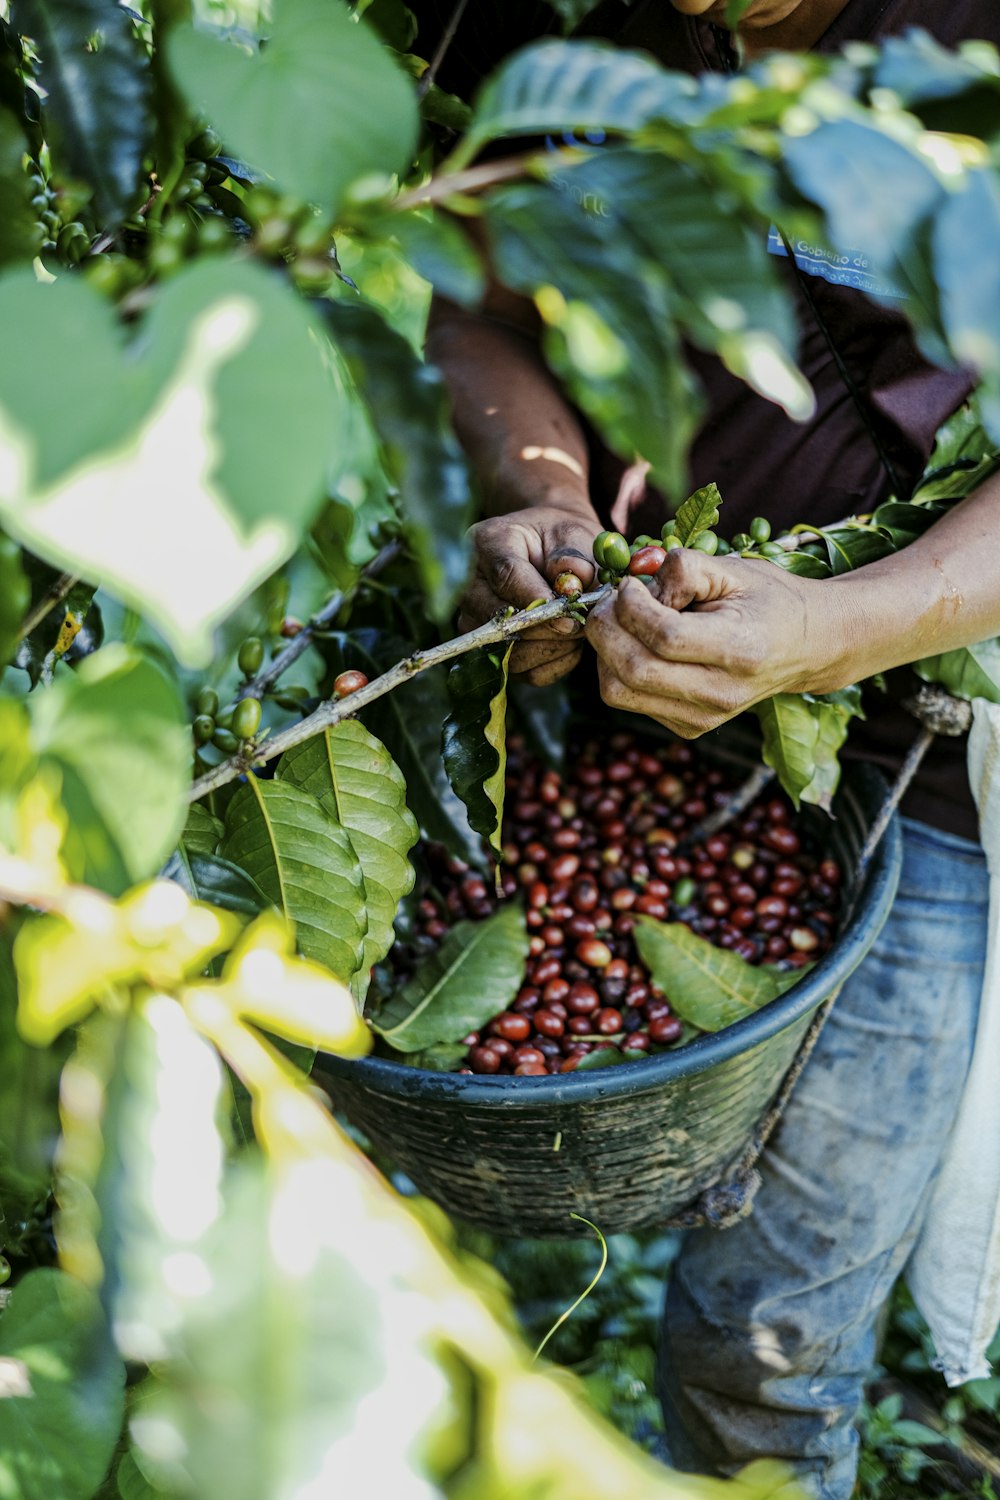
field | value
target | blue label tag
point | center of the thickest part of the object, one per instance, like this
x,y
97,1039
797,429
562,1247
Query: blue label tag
x,y
840,268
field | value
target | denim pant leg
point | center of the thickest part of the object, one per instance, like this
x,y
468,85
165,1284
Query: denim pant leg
x,y
769,1329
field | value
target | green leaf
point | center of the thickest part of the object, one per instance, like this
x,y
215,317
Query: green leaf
x,y
63,1400
56,631
94,72
20,236
14,596
612,333
354,111
304,863
357,782
969,672
850,547
439,252
202,831
115,732
564,86
216,881
474,739
698,514
475,973
705,985
29,1112
903,522
803,564
969,281
955,481
409,723
802,735
444,1057
410,410
229,355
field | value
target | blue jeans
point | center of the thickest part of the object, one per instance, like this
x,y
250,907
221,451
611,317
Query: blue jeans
x,y
769,1328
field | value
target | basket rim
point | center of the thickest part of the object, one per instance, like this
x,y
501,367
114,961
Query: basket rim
x,y
862,783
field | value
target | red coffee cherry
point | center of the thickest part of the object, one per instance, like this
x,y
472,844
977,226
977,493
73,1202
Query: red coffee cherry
x,y
665,1029
484,1060
594,953
568,586
348,683
647,561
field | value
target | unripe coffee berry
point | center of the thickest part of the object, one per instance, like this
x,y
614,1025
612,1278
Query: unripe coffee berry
x,y
251,656
203,729
617,554
207,702
348,683
246,718
567,586
760,529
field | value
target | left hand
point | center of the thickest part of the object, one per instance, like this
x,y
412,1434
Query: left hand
x,y
714,636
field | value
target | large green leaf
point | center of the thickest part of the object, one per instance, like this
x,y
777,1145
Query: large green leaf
x,y
29,1111
20,236
357,782
94,71
968,275
411,413
612,332
802,735
851,547
303,861
182,470
727,292
705,985
566,86
202,831
439,251
354,111
409,724
474,740
969,672
63,1396
115,732
475,973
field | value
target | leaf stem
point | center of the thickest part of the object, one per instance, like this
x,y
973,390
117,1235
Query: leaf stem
x,y
586,1291
485,175
500,628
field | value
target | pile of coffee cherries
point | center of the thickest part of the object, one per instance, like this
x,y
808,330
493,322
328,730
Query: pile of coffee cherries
x,y
587,853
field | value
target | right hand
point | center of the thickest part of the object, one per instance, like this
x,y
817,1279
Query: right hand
x,y
518,557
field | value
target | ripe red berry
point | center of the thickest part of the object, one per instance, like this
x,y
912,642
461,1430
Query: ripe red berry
x,y
647,561
348,683
568,586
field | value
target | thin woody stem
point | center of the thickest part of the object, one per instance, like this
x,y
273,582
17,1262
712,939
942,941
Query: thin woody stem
x,y
502,628
61,589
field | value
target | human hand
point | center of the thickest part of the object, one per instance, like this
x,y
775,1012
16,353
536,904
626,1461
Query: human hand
x,y
518,557
714,636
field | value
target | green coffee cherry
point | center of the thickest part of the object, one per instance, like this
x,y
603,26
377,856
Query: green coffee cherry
x,y
741,541
4,1270
605,575
225,741
706,542
224,718
214,234
207,702
73,242
251,655
208,143
599,543
617,553
203,728
723,547
670,542
684,892
760,529
669,527
771,549
642,541
246,718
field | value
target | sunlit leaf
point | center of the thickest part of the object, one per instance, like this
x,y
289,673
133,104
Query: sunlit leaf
x,y
357,782
802,735
475,973
968,672
355,111
305,864
699,513
475,737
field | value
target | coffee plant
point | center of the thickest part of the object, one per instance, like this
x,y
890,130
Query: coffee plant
x,y
232,537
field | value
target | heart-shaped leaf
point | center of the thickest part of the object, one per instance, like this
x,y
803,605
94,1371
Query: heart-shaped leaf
x,y
357,782
802,735
705,985
475,973
63,1393
185,467
115,731
475,737
304,863
354,110
96,98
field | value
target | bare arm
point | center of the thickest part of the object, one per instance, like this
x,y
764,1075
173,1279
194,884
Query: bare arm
x,y
716,635
529,454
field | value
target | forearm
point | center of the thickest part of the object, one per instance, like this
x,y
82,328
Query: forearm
x,y
523,440
940,592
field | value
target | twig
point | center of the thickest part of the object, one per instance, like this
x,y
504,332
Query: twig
x,y
475,179
59,590
441,50
759,778
265,679
501,628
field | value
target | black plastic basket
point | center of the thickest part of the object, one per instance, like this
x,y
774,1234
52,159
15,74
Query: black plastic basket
x,y
628,1147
